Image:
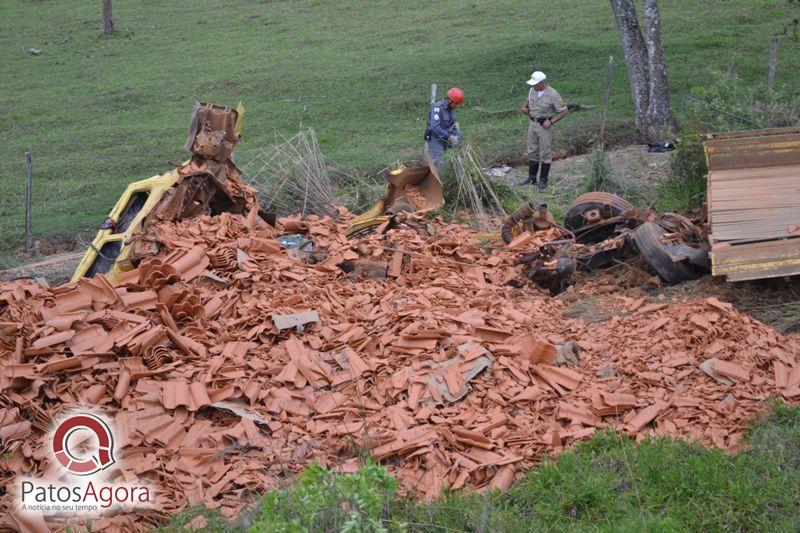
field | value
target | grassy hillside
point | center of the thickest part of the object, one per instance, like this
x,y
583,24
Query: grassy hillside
x,y
98,112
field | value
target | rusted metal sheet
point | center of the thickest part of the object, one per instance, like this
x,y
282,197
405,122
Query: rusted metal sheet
x,y
527,218
414,189
754,203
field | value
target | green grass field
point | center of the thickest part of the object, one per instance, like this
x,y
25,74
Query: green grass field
x,y
98,112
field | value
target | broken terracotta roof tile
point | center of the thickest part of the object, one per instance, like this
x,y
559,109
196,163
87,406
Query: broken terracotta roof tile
x,y
528,394
722,306
781,374
189,264
192,396
442,369
396,264
645,416
99,289
731,370
53,339
794,376
72,301
64,321
708,366
608,404
87,338
559,375
15,430
534,348
579,414
492,334
143,300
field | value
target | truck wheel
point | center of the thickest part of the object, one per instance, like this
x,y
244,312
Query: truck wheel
x,y
648,241
576,214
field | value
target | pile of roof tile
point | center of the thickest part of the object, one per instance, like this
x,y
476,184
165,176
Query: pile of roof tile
x,y
229,363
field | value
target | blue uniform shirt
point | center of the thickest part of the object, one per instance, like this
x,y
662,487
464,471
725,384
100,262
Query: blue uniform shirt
x,y
441,120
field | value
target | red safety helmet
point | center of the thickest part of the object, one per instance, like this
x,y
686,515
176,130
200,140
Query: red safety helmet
x,y
456,96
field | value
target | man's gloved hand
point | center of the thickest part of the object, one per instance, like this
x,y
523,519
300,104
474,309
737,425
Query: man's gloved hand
x,y
454,140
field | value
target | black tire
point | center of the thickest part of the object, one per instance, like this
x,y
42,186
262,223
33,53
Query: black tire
x,y
574,219
648,241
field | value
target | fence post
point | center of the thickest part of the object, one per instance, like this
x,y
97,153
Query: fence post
x,y
28,200
108,22
606,98
773,62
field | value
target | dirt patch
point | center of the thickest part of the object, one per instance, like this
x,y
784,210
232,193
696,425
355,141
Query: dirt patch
x,y
595,309
775,302
54,269
772,301
633,166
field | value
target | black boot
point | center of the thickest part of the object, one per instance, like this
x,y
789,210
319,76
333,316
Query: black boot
x,y
533,169
543,177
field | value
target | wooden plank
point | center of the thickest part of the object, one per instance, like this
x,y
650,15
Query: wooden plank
x,y
752,133
757,260
754,204
758,150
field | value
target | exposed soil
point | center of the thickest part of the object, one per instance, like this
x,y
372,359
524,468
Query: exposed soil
x,y
631,166
54,269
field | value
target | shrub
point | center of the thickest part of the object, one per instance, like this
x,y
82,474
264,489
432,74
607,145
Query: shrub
x,y
686,189
598,175
323,501
729,102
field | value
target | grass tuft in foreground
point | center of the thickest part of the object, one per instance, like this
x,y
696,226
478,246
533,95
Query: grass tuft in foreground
x,y
609,483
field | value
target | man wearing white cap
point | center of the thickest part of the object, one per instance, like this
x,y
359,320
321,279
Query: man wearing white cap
x,y
545,107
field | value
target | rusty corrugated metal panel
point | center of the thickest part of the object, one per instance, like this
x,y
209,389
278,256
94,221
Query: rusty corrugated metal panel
x,y
753,200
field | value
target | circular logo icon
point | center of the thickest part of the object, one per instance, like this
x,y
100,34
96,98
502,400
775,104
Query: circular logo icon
x,y
67,454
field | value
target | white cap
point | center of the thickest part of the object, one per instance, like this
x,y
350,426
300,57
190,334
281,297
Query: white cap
x,y
537,77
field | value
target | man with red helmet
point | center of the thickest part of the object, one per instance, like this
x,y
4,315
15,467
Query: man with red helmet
x,y
443,131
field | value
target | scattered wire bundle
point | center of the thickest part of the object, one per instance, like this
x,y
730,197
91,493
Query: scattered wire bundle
x,y
473,190
291,177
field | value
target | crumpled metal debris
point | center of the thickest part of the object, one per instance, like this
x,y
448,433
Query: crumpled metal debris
x,y
208,184
604,230
527,218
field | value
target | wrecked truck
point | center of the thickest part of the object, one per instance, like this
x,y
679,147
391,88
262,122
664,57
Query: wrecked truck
x,y
752,229
207,184
602,229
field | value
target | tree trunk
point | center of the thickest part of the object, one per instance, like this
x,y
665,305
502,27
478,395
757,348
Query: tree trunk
x,y
108,22
635,52
660,123
647,70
